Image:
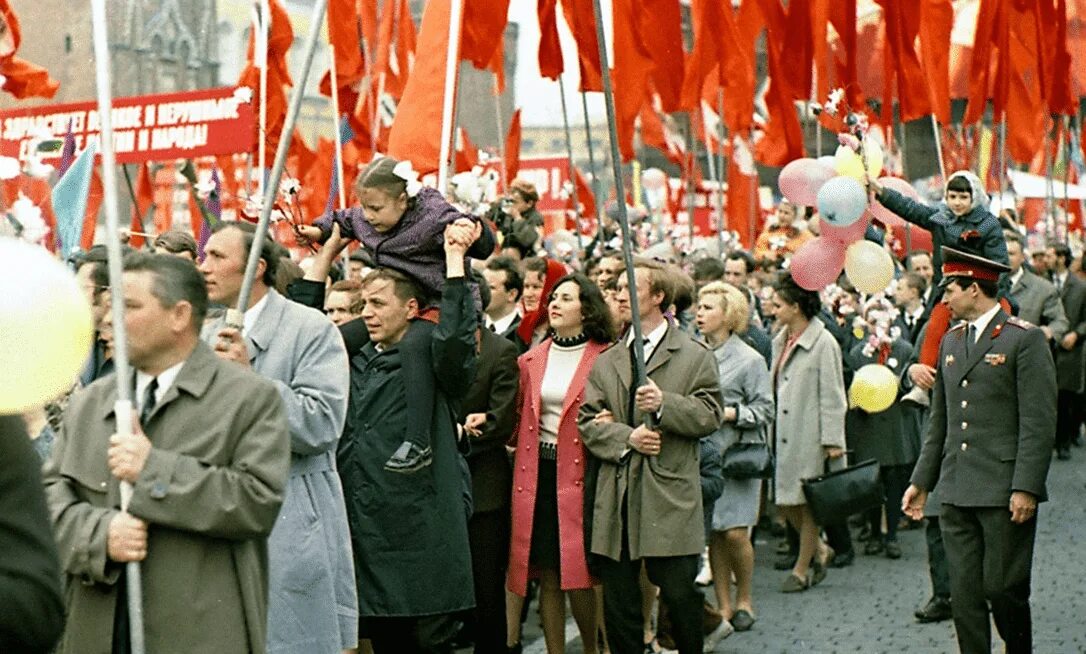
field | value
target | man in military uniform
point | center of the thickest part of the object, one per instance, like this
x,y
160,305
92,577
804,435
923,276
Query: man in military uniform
x,y
989,444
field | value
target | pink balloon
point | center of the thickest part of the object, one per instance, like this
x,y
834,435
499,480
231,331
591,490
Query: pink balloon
x,y
818,263
801,179
884,215
848,234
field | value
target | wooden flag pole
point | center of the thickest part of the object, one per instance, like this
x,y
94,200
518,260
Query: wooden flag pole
x,y
123,374
638,346
452,62
591,158
264,30
572,167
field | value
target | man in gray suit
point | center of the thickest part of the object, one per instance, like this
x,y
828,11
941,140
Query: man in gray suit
x,y
1037,299
313,604
989,445
1070,353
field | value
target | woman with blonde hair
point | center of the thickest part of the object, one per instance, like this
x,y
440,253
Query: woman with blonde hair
x,y
747,396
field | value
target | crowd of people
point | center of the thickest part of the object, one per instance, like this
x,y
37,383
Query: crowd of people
x,y
399,448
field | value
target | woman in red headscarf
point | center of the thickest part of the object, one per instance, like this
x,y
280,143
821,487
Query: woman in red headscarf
x,y
540,276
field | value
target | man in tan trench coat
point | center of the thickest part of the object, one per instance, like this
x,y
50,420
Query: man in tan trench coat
x,y
648,495
208,459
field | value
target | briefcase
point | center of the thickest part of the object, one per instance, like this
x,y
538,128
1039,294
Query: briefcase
x,y
834,496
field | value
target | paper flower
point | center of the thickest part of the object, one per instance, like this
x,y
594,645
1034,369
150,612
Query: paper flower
x,y
29,223
9,168
243,94
37,168
834,101
404,171
289,186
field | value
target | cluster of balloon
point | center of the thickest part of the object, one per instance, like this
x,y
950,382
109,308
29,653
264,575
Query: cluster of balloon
x,y
46,329
874,388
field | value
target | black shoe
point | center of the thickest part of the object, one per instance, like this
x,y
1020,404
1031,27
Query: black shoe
x,y
873,547
843,559
785,561
409,458
893,550
936,610
742,620
1063,453
514,649
1077,440
864,535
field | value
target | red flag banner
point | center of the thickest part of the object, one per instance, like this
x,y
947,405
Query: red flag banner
x,y
21,78
145,128
582,21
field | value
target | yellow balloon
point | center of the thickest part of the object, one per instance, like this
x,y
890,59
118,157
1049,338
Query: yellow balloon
x,y
46,327
874,157
873,389
848,163
868,266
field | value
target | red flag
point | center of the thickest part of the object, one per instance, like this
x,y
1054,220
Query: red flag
x,y
783,139
416,132
742,201
796,51
585,197
313,195
655,135
1061,98
902,26
582,22
280,38
467,155
550,49
630,73
346,40
196,219
90,217
145,198
988,32
843,18
936,23
482,41
512,148
1023,81
719,47
662,38
21,78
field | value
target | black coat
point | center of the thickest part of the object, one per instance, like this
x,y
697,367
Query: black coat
x,y
1071,364
891,437
494,392
32,613
409,530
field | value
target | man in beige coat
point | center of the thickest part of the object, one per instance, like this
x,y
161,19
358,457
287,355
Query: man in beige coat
x,y
648,496
208,460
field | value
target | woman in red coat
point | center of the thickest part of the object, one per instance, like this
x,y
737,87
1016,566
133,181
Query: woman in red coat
x,y
548,474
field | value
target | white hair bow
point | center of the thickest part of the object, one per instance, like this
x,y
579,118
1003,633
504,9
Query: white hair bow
x,y
404,171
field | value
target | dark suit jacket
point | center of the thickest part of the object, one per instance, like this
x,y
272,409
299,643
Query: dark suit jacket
x,y
32,617
993,416
494,392
513,337
910,333
1071,364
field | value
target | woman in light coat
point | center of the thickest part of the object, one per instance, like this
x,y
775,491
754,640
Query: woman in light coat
x,y
747,397
810,423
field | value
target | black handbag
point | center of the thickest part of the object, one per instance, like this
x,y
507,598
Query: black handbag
x,y
834,496
747,460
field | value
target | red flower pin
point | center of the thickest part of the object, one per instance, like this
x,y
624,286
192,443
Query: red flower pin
x,y
970,235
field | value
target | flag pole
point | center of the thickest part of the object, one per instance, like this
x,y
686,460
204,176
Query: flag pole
x,y
123,375
938,146
235,316
720,188
338,131
1066,178
501,135
572,166
691,185
452,61
710,158
638,348
263,7
591,156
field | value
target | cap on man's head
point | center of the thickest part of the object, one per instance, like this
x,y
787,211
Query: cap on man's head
x,y
962,265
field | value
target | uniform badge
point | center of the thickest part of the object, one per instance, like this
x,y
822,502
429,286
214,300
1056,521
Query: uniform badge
x,y
949,360
995,359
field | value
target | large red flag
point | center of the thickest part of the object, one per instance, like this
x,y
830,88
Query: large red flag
x,y
482,41
742,198
1023,79
662,37
936,23
795,52
582,22
630,73
346,40
280,38
512,148
21,78
1061,98
587,210
416,132
783,139
550,49
988,34
145,198
902,26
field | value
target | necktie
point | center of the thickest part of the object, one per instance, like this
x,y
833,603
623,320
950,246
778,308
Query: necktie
x,y
970,338
493,328
148,404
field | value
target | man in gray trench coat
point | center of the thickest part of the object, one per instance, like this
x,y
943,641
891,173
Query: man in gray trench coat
x,y
313,604
208,461
648,495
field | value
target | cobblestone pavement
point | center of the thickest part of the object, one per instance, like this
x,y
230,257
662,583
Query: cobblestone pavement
x,y
869,606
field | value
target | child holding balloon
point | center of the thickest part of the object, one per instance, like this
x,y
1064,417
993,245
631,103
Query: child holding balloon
x,y
962,222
